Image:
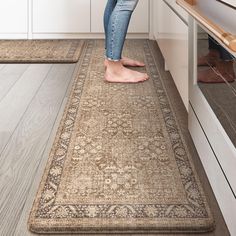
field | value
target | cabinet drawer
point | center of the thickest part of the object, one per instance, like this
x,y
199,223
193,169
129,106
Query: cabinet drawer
x,y
139,21
216,176
61,16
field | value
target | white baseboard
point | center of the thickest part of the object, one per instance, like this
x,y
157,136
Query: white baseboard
x,y
14,36
68,36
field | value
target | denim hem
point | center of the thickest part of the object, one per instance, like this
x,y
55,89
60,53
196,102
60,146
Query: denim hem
x,y
110,59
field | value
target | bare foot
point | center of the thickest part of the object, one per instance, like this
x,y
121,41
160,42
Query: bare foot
x,y
209,76
117,73
128,62
209,59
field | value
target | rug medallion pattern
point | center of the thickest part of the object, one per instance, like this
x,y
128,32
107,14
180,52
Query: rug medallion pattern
x,y
119,161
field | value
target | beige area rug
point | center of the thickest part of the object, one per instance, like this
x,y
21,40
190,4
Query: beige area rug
x,y
119,163
40,51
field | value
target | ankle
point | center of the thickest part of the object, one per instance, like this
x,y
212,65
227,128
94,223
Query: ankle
x,y
114,66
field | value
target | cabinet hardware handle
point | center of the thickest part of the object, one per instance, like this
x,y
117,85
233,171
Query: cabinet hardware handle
x,y
227,38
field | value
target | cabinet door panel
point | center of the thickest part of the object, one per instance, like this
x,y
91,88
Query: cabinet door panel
x,y
139,22
13,16
61,16
172,37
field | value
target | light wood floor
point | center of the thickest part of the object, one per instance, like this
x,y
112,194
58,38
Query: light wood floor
x,y
32,99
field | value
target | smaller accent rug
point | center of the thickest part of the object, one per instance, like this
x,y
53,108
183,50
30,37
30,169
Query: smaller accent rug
x,y
119,163
40,51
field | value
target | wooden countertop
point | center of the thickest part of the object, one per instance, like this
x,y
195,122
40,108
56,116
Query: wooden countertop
x,y
217,17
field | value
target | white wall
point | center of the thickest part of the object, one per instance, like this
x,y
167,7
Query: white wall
x,y
62,18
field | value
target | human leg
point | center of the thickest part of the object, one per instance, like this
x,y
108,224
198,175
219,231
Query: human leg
x,y
107,13
212,55
117,28
116,34
225,55
220,62
224,63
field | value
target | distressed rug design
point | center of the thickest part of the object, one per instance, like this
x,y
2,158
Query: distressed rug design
x,y
119,163
40,51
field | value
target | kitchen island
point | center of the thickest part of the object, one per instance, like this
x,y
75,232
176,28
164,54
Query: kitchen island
x,y
212,116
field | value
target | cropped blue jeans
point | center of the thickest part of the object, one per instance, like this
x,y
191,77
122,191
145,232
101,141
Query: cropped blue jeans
x,y
117,16
224,54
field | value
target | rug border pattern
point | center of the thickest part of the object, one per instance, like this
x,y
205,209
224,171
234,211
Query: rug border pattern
x,y
72,55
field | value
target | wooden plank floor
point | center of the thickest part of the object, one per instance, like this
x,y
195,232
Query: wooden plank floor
x,y
9,75
28,136
25,129
16,101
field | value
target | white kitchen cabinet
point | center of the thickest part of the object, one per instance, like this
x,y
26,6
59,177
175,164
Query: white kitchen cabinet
x,y
182,13
13,16
61,16
171,33
139,22
62,19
